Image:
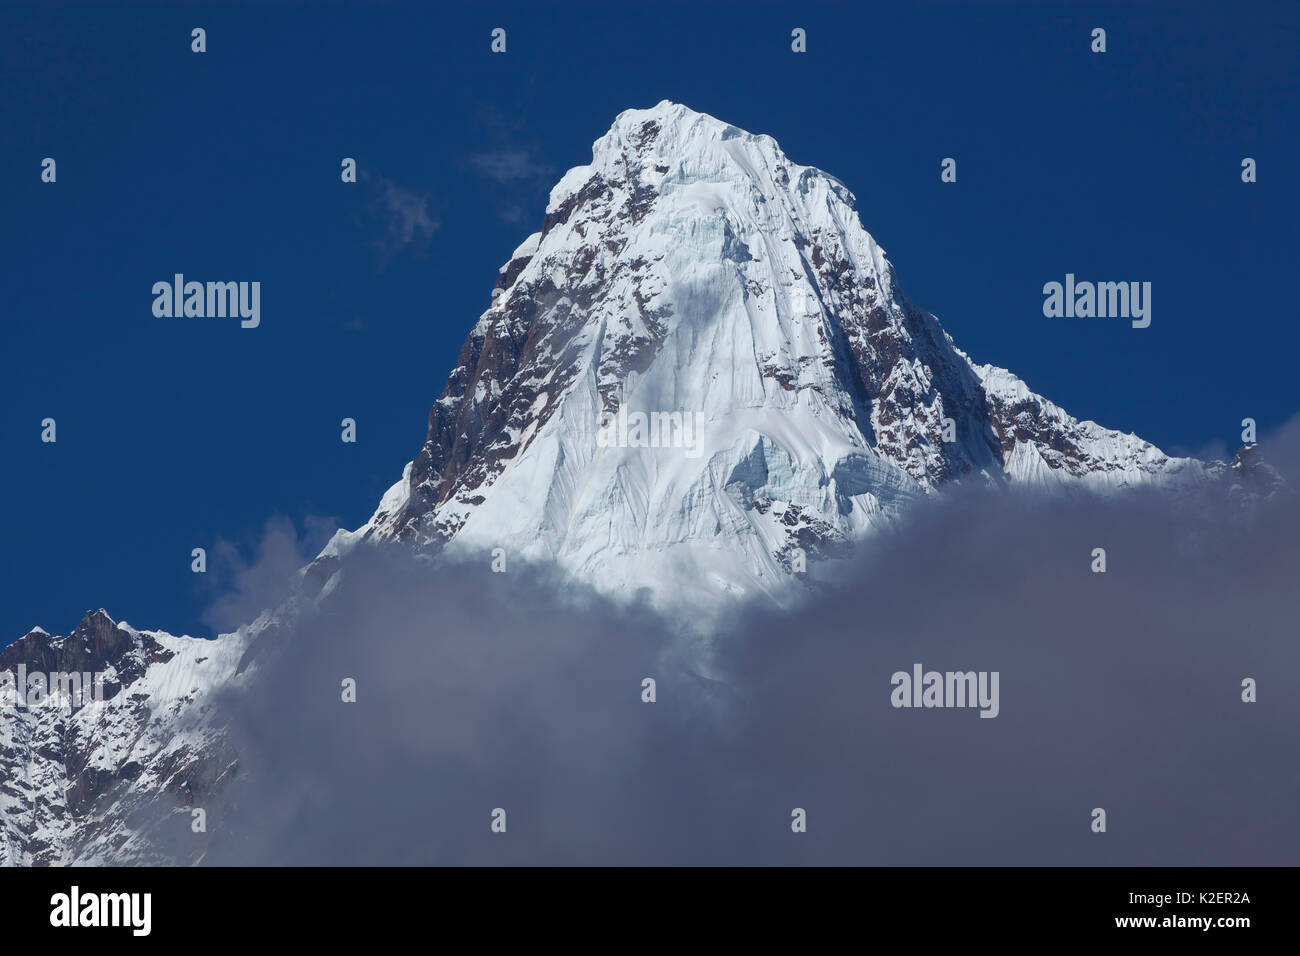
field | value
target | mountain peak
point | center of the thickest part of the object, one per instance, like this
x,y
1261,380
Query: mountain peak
x,y
693,273
95,624
671,146
676,124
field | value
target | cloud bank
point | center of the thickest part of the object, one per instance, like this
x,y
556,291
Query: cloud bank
x,y
1118,690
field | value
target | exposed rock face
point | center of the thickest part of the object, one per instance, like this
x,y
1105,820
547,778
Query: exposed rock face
x,y
1252,476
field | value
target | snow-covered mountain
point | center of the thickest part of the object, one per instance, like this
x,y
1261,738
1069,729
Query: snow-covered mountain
x,y
81,784
693,269
690,270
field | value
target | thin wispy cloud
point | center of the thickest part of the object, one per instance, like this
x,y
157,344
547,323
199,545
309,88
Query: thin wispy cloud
x,y
517,175
402,217
250,585
510,166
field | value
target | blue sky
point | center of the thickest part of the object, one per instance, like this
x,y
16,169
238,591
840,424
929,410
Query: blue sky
x,y
225,165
